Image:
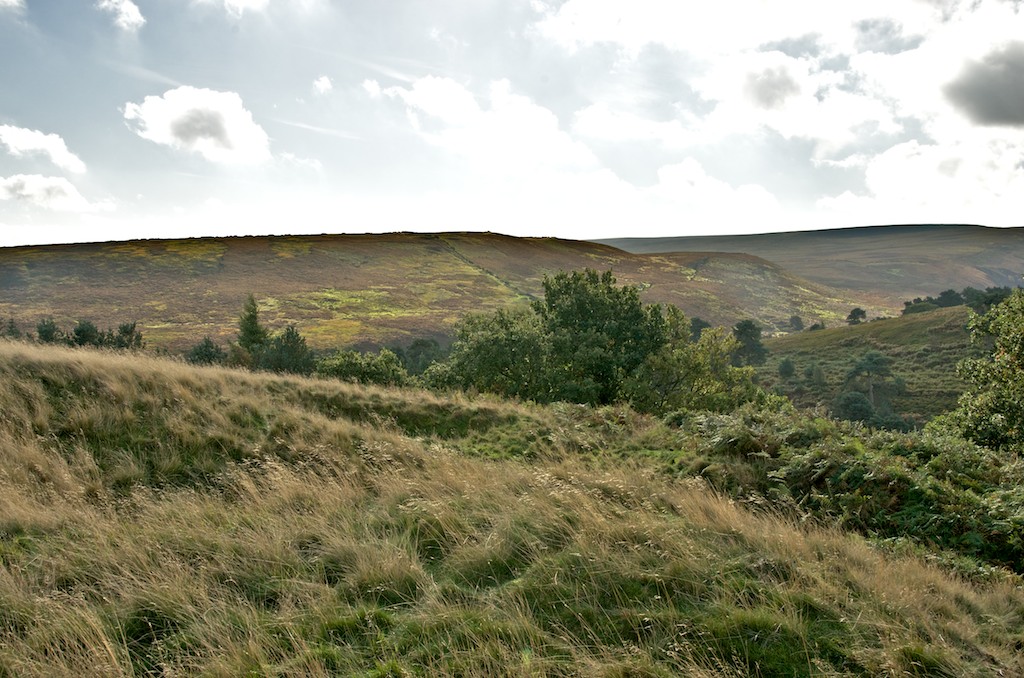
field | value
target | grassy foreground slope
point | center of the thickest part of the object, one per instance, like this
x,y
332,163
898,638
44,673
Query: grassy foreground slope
x,y
157,519
370,289
925,348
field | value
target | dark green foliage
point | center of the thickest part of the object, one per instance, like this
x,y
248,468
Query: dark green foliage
x,y
286,352
690,375
796,323
419,355
871,373
127,337
11,330
207,352
252,336
589,341
853,406
787,370
932,488
697,326
383,368
979,301
857,316
751,351
597,332
85,333
48,332
505,353
991,411
868,392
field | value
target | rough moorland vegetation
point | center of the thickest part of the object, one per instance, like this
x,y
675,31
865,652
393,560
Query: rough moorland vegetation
x,y
163,519
628,503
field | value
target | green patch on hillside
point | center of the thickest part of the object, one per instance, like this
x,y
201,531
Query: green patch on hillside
x,y
925,349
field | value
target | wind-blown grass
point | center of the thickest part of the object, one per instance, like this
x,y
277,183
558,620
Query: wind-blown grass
x,y
159,519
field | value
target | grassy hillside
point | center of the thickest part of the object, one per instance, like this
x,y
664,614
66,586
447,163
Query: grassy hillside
x,y
157,519
369,290
926,348
888,264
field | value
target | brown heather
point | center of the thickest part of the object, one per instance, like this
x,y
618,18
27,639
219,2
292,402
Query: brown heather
x,y
160,519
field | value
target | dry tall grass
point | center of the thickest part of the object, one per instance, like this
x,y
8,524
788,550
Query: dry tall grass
x,y
157,519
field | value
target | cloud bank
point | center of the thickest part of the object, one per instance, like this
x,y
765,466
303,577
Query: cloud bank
x,y
216,125
126,13
51,193
22,142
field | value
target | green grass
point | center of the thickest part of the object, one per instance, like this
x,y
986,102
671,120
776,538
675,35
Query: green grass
x,y
925,347
162,519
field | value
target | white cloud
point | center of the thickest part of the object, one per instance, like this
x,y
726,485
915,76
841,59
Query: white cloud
x,y
126,13
52,193
12,4
975,181
214,124
525,175
21,142
721,28
510,136
372,87
323,85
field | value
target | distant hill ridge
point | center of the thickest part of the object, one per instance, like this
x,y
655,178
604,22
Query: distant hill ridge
x,y
363,290
893,262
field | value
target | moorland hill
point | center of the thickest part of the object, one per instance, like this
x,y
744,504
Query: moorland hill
x,y
372,290
888,264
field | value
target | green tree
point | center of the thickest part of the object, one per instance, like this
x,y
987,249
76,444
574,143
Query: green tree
x,y
48,332
206,352
787,369
85,333
252,336
11,330
127,337
871,373
750,350
688,374
502,352
598,334
796,323
853,406
697,326
286,352
857,316
419,355
991,411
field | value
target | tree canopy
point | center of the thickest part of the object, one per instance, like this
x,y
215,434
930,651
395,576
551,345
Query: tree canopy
x,y
991,411
592,341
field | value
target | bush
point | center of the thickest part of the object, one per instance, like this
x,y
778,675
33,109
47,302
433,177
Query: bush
x,y
207,352
383,368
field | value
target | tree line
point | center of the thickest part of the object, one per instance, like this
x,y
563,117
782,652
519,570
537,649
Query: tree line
x,y
588,340
126,336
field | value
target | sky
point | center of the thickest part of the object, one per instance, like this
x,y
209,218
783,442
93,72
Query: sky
x,y
581,119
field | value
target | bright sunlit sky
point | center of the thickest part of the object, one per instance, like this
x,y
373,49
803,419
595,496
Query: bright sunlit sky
x,y
574,118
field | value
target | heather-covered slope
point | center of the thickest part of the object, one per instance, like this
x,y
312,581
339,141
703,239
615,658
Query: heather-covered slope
x,y
887,264
373,289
